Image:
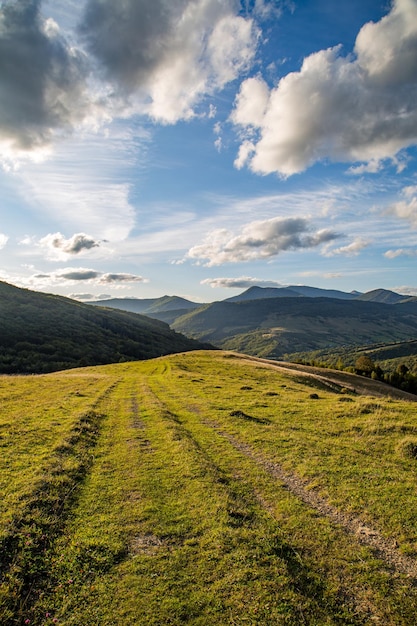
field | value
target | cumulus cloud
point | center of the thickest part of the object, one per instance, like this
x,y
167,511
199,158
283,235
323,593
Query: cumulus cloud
x,y
159,58
243,282
263,239
251,103
360,107
63,248
3,240
352,249
43,80
169,53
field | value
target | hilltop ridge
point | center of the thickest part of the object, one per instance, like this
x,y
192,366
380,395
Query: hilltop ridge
x,y
44,333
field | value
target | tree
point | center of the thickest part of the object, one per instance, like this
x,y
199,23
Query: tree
x,y
364,365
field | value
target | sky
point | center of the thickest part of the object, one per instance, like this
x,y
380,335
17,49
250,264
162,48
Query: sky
x,y
200,147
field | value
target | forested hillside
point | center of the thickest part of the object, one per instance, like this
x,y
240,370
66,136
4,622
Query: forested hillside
x,y
44,333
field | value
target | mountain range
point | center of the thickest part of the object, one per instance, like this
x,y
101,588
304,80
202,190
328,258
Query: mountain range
x,y
273,322
43,333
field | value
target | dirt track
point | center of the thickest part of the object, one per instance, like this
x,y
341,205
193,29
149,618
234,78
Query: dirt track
x,y
336,380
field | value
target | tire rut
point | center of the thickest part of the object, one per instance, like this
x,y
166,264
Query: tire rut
x,y
385,549
24,550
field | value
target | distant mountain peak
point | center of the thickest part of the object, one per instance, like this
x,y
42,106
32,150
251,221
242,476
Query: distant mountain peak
x,y
382,295
292,291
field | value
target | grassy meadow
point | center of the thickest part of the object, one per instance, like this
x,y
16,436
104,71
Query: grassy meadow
x,y
164,492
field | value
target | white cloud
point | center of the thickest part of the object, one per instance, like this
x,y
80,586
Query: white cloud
x,y
58,247
73,275
410,191
168,55
44,84
80,187
352,249
393,254
406,291
3,240
353,108
82,297
259,240
406,209
372,167
251,103
243,282
118,277
246,151
161,59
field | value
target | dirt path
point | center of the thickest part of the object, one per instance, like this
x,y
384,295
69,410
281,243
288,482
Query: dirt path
x,y
334,379
384,548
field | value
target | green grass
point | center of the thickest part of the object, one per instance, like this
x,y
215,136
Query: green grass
x,y
143,496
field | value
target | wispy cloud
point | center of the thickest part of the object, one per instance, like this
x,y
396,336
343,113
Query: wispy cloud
x,y
81,187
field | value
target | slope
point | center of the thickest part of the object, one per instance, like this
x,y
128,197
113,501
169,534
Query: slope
x,y
148,306
43,333
276,326
205,488
292,291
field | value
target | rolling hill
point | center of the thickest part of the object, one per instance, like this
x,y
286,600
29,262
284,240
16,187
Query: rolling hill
x,y
44,333
276,326
382,295
148,306
293,291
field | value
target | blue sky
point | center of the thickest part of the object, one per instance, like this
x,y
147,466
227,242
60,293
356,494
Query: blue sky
x,y
199,147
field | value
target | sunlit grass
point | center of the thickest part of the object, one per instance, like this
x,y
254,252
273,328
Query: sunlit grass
x,y
171,520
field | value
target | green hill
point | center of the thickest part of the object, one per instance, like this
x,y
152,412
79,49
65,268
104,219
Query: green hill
x,y
44,333
276,326
206,488
148,306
